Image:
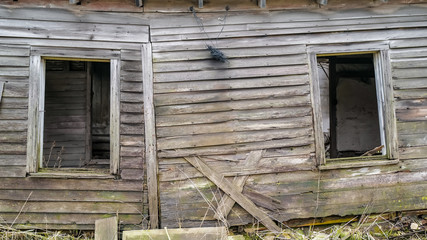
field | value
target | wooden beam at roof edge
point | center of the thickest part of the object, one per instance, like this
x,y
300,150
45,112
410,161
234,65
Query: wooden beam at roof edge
x,y
262,3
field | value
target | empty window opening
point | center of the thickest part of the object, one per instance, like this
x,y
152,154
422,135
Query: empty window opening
x,y
349,105
77,114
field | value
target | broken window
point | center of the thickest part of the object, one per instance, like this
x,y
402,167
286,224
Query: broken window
x,y
76,114
351,116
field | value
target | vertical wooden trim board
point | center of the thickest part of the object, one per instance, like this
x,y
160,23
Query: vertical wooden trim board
x,y
34,147
1,90
385,86
317,114
115,116
150,135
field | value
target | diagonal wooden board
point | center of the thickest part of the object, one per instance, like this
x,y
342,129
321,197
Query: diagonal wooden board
x,y
226,203
231,190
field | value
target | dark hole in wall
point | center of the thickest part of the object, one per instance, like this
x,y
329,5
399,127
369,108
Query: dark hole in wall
x,y
76,118
349,105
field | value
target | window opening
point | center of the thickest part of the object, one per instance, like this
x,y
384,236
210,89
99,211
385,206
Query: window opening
x,y
349,105
76,129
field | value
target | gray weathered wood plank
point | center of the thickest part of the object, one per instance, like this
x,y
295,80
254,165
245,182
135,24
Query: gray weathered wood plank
x,y
106,229
150,135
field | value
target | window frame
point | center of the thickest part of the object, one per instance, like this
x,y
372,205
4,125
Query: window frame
x,y
383,80
36,99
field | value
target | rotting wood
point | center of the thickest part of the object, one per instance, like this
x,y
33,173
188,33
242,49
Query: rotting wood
x,y
230,189
226,203
150,136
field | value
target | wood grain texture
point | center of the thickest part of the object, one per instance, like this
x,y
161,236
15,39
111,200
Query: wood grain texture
x,y
150,136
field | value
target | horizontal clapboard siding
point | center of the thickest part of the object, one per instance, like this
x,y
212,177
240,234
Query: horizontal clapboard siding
x,y
260,99
69,202
14,62
409,73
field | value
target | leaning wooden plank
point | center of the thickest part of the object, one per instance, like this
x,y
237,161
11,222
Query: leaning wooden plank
x,y
227,203
150,135
230,189
106,229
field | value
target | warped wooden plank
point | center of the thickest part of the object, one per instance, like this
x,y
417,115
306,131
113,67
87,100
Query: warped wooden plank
x,y
222,95
418,114
253,114
231,73
413,140
217,139
265,166
278,20
411,104
234,148
150,135
409,53
70,207
226,203
70,184
410,83
272,32
259,82
410,94
321,38
291,101
209,64
241,51
409,73
409,63
235,126
75,31
56,220
230,190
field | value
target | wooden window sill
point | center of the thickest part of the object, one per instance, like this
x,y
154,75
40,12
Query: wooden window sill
x,y
340,163
75,173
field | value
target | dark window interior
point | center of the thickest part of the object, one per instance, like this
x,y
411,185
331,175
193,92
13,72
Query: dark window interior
x,y
349,106
77,114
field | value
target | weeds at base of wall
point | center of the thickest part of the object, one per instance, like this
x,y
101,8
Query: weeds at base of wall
x,y
376,227
9,233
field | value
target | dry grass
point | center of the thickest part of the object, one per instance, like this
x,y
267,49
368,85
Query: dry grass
x,y
367,228
9,233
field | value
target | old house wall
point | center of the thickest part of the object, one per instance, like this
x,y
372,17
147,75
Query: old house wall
x,y
259,99
73,201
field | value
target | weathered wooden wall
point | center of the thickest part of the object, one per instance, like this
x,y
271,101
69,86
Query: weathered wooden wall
x,y
260,100
70,202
